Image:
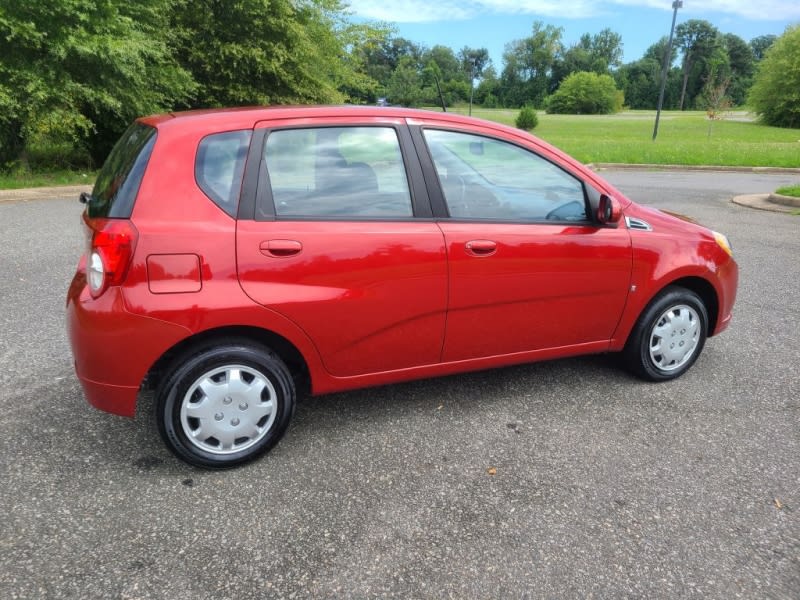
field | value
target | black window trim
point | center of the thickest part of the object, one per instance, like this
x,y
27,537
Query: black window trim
x,y
439,203
258,204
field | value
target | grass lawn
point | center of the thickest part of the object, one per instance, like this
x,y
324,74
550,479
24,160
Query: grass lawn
x,y
683,138
24,179
792,190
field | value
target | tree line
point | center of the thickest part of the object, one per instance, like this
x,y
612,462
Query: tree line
x,y
74,73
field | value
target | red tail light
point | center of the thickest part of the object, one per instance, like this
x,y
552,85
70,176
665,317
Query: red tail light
x,y
111,246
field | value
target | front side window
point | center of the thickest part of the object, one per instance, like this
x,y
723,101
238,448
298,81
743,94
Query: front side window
x,y
337,172
485,178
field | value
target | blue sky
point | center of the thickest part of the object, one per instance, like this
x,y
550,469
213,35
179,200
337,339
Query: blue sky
x,y
493,23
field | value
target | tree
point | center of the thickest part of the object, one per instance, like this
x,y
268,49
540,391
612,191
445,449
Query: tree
x,y
261,51
79,71
775,94
600,53
696,39
742,66
529,64
586,94
761,44
641,79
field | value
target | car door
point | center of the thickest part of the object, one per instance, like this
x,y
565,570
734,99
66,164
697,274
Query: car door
x,y
338,241
529,269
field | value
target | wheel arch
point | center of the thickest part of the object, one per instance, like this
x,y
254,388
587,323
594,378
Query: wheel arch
x,y
286,350
704,289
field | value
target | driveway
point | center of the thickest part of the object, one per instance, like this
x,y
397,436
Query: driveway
x,y
603,485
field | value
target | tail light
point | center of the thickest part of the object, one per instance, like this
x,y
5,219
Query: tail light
x,y
111,243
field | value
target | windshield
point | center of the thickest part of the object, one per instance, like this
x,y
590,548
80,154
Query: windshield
x,y
118,182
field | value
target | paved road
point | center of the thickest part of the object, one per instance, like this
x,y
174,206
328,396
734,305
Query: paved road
x,y
605,486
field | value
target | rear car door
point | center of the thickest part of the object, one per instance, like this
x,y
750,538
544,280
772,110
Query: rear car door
x,y
529,269
341,241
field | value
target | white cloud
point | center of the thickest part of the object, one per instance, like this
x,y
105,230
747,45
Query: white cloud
x,y
418,11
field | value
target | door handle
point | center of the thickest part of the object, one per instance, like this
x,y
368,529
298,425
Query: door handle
x,y
280,248
481,247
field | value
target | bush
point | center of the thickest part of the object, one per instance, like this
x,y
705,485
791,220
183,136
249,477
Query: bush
x,y
585,93
775,94
527,118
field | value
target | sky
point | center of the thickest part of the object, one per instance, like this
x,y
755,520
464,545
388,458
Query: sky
x,y
491,24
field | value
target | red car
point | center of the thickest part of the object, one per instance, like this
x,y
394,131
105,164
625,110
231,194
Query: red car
x,y
235,257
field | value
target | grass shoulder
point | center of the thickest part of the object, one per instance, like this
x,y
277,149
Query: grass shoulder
x,y
685,138
792,190
20,179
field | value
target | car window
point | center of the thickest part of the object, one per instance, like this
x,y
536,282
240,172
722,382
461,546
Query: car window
x,y
337,172
485,178
118,182
220,165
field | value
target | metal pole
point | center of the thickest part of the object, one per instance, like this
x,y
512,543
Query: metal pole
x,y
471,83
667,61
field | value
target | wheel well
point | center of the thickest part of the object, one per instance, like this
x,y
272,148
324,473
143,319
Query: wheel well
x,y
281,346
707,294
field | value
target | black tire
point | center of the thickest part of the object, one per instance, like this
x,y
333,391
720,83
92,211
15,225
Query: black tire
x,y
662,355
225,405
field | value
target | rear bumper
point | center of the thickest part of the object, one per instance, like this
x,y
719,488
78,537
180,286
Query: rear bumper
x,y
112,347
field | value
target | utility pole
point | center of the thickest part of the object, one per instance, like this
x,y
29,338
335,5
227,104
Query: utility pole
x,y
667,62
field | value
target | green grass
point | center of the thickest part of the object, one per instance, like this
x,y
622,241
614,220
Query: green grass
x,y
683,138
792,190
19,179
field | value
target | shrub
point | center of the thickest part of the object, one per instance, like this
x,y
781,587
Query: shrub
x,y
585,93
527,118
775,94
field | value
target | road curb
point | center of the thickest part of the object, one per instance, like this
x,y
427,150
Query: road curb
x,y
708,168
43,193
765,202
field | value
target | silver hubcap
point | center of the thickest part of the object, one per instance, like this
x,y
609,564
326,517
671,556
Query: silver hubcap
x,y
674,338
228,409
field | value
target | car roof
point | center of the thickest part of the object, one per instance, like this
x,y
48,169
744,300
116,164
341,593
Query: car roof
x,y
249,116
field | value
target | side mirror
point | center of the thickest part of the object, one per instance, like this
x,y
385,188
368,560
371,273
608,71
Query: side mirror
x,y
609,211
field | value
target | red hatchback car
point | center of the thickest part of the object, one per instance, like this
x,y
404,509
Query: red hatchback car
x,y
236,256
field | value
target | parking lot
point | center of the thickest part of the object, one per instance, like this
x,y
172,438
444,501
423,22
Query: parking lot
x,y
563,479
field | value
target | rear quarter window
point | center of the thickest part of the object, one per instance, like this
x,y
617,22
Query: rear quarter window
x,y
220,165
118,182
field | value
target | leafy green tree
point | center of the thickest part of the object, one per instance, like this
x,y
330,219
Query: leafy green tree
x,y
586,93
742,66
696,39
262,51
775,94
761,44
405,86
78,71
528,66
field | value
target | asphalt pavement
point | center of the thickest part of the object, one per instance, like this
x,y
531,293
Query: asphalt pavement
x,y
566,479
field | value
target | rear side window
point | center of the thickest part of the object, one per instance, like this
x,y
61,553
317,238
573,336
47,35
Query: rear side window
x,y
338,173
220,165
118,181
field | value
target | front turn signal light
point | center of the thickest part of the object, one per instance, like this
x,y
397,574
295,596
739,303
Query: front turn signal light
x,y
722,242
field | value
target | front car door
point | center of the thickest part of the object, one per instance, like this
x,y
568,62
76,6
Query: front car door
x,y
337,245
529,268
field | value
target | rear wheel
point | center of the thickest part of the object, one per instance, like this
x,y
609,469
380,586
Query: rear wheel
x,y
225,405
669,335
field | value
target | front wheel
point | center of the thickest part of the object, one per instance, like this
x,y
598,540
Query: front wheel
x,y
669,335
225,405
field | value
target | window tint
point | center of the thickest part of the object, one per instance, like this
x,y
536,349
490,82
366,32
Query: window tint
x,y
118,181
484,178
220,165
337,172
